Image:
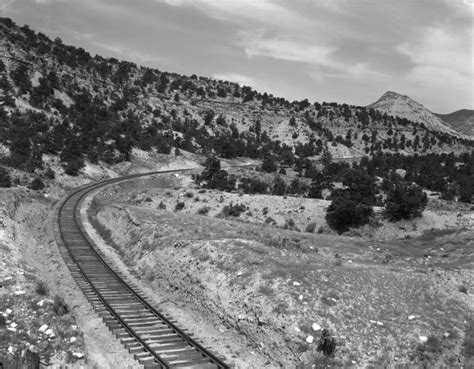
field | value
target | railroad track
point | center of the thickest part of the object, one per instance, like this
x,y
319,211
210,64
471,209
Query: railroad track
x,y
151,337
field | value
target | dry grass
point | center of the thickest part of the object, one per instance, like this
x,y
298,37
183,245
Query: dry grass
x,y
300,278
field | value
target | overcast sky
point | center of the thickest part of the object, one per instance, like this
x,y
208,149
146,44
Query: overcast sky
x,y
325,50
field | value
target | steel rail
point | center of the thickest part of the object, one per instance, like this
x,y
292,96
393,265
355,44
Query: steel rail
x,y
160,362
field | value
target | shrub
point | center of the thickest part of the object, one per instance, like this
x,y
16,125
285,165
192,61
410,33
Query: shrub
x,y
429,350
468,344
59,306
233,210
310,227
37,184
49,173
161,205
41,288
204,210
253,185
269,165
344,212
404,201
463,289
279,186
73,167
5,180
327,344
179,206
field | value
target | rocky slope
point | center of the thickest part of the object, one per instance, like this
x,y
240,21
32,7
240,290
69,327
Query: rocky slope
x,y
403,106
52,95
460,120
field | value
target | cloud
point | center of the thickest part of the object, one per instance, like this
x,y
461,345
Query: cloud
x,y
235,77
441,50
261,12
285,49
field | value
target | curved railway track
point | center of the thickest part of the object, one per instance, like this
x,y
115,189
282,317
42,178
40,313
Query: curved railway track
x,y
151,337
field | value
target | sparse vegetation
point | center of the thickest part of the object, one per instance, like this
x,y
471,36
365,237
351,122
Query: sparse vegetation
x,y
37,184
59,306
404,201
204,210
232,210
41,288
179,206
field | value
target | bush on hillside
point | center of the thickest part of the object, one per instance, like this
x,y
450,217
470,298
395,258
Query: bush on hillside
x,y
37,184
404,201
5,180
345,212
232,210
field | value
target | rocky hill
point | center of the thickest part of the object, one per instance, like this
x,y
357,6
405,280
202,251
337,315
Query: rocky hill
x,y
58,99
460,120
403,106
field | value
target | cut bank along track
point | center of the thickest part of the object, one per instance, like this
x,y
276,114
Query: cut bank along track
x,y
152,338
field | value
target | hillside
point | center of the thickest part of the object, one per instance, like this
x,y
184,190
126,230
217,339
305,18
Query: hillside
x,y
403,106
60,100
460,120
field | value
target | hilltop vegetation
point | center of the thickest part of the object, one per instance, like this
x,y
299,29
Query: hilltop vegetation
x,y
60,100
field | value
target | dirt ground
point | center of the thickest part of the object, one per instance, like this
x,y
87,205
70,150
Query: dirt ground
x,y
381,300
246,287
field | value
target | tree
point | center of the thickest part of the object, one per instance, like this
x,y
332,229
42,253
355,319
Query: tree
x,y
269,165
279,186
361,185
404,201
5,180
466,189
317,185
37,184
345,212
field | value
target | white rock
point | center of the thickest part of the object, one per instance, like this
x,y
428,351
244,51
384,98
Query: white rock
x,y
13,325
316,327
49,332
78,355
423,339
411,317
40,303
43,328
380,323
296,284
74,327
349,261
8,311
73,339
241,316
20,292
297,329
11,350
373,321
11,329
310,339
300,297
239,273
446,335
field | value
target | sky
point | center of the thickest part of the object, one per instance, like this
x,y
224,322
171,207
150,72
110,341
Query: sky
x,y
348,51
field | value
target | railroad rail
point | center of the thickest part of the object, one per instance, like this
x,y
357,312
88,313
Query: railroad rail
x,y
151,337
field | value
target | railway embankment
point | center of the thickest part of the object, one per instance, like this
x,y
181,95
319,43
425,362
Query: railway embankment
x,y
383,302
